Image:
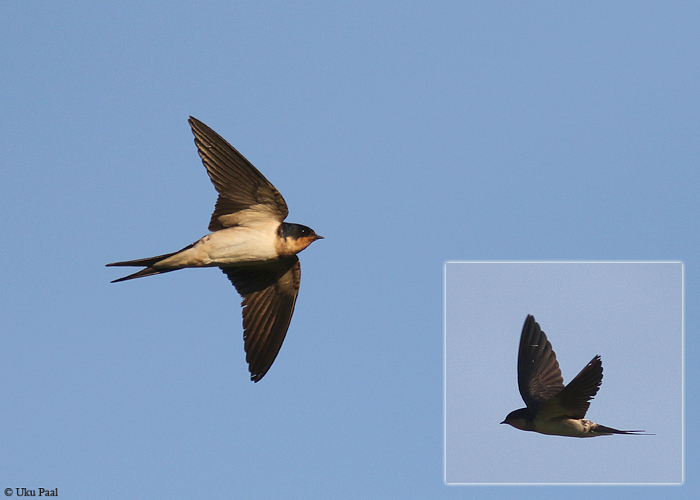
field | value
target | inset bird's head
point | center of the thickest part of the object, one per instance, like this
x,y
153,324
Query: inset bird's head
x,y
296,238
520,419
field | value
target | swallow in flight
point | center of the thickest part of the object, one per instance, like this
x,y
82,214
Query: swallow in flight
x,y
249,242
553,408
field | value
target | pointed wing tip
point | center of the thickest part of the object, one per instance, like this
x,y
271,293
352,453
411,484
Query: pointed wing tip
x,y
257,377
531,324
597,364
194,123
197,125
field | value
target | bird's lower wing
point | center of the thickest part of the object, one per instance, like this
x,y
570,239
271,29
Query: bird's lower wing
x,y
269,293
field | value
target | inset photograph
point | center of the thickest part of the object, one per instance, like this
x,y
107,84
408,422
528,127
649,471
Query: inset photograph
x,y
563,372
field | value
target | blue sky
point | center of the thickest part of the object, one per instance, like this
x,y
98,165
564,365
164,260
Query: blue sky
x,y
408,134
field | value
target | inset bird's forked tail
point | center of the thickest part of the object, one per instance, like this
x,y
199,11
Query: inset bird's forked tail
x,y
149,271
602,429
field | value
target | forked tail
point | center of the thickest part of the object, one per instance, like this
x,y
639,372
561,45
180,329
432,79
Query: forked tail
x,y
602,429
149,271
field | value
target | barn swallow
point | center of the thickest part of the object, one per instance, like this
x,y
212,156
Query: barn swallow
x,y
249,242
553,408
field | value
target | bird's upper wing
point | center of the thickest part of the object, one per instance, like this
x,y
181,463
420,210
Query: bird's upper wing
x,y
574,399
269,292
539,376
244,193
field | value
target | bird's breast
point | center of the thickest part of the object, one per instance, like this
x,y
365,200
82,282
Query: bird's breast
x,y
240,245
563,427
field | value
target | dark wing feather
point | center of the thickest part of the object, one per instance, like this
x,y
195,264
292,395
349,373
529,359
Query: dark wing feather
x,y
240,185
269,293
539,376
573,401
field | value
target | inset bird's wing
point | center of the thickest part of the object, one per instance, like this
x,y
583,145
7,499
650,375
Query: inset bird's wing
x,y
269,292
244,193
539,376
573,401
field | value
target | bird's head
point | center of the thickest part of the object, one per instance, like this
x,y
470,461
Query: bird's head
x,y
520,419
296,238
